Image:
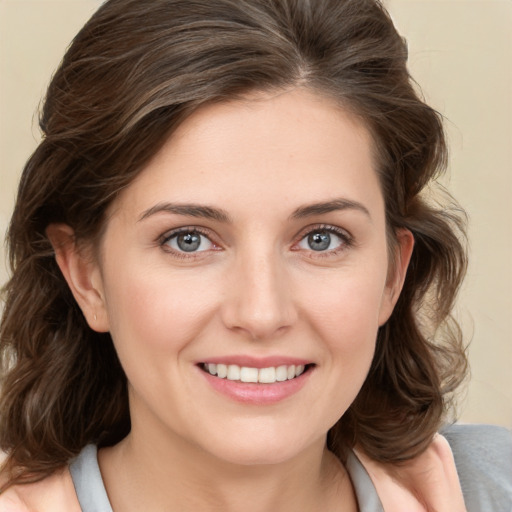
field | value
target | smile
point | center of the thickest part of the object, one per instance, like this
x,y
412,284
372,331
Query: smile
x,y
253,381
268,375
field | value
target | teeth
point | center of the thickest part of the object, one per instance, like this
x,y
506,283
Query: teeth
x,y
281,373
222,371
246,374
233,372
267,375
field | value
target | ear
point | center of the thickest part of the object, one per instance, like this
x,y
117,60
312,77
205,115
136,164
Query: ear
x,y
82,274
396,274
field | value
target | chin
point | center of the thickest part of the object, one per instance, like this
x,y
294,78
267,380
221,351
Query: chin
x,y
254,450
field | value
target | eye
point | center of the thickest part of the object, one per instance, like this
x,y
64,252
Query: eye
x,y
188,241
328,239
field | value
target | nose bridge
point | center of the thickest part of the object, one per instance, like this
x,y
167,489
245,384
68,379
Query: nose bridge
x,y
260,301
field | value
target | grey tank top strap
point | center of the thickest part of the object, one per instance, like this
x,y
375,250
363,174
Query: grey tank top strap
x,y
88,483
367,498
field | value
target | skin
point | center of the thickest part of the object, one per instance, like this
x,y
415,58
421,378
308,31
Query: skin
x,y
257,288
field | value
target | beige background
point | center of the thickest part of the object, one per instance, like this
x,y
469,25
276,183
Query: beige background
x,y
461,55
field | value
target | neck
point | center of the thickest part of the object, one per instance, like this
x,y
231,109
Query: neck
x,y
171,475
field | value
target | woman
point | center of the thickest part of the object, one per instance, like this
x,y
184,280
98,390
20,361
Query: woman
x,y
228,289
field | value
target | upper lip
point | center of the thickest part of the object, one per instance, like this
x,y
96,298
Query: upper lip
x,y
257,362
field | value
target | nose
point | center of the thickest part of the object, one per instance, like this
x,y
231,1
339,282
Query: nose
x,y
259,299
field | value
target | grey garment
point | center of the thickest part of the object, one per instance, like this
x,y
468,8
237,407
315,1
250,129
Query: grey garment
x,y
88,483
483,456
367,498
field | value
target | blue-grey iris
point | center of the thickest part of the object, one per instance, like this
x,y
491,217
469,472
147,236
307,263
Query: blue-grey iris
x,y
188,242
319,241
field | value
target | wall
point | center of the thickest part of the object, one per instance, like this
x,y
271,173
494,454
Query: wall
x,y
461,55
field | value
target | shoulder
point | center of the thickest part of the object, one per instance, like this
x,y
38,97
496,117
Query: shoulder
x,y
483,458
467,468
428,481
53,494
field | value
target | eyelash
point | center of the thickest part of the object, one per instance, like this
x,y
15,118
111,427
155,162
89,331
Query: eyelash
x,y
346,238
164,239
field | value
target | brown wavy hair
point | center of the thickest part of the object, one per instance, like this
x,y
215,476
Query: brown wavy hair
x,y
131,75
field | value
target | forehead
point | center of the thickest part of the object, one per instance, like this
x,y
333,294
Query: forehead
x,y
275,149
279,121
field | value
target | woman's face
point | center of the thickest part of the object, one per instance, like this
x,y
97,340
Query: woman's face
x,y
254,243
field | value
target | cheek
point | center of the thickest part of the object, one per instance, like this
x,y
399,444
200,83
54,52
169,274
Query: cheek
x,y
156,310
345,317
347,305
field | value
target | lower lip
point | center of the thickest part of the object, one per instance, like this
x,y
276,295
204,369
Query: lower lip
x,y
255,393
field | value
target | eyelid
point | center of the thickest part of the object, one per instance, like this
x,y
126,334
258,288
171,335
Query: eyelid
x,y
168,235
348,239
184,229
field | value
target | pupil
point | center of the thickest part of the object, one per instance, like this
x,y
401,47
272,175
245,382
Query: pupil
x,y
319,241
189,242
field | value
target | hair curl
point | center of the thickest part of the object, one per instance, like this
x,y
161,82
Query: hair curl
x,y
131,75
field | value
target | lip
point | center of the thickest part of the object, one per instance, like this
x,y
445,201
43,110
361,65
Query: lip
x,y
256,362
256,393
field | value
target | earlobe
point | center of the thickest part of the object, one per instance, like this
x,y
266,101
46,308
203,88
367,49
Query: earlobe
x,y
397,273
82,274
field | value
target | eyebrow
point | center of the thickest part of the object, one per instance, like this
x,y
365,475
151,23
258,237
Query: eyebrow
x,y
329,206
190,210
217,214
